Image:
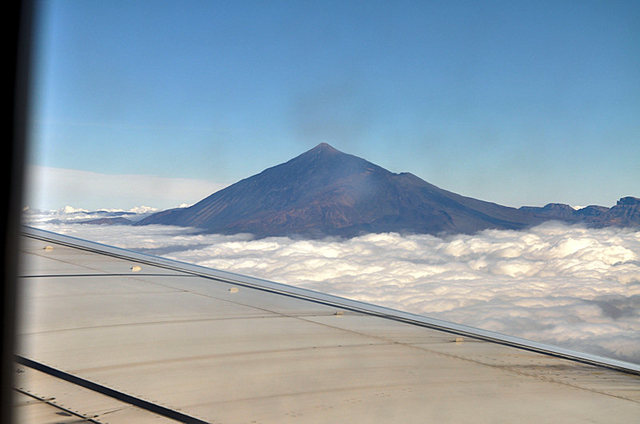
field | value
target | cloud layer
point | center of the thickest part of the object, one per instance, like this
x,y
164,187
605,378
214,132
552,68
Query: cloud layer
x,y
565,285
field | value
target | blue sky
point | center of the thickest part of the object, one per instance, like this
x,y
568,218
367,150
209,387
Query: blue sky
x,y
520,103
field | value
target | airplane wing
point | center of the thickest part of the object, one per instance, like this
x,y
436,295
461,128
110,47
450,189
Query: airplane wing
x,y
108,335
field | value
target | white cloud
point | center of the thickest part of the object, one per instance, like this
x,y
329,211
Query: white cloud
x,y
51,188
566,285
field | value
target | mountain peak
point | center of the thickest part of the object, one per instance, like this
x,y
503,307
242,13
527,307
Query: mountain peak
x,y
322,155
325,147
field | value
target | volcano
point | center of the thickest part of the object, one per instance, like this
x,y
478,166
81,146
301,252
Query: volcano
x,y
325,192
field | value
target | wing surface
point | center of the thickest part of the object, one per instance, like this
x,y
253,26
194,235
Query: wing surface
x,y
110,335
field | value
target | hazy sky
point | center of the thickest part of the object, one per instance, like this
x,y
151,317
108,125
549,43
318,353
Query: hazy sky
x,y
517,102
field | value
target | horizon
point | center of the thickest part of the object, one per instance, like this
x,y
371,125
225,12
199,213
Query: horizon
x,y
517,104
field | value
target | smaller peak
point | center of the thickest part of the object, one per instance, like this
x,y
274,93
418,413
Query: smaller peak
x,y
628,201
557,206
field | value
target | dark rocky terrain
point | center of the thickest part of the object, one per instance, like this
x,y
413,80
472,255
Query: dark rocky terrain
x,y
107,221
324,192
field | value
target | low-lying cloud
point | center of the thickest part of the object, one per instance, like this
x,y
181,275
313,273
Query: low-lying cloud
x,y
565,285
